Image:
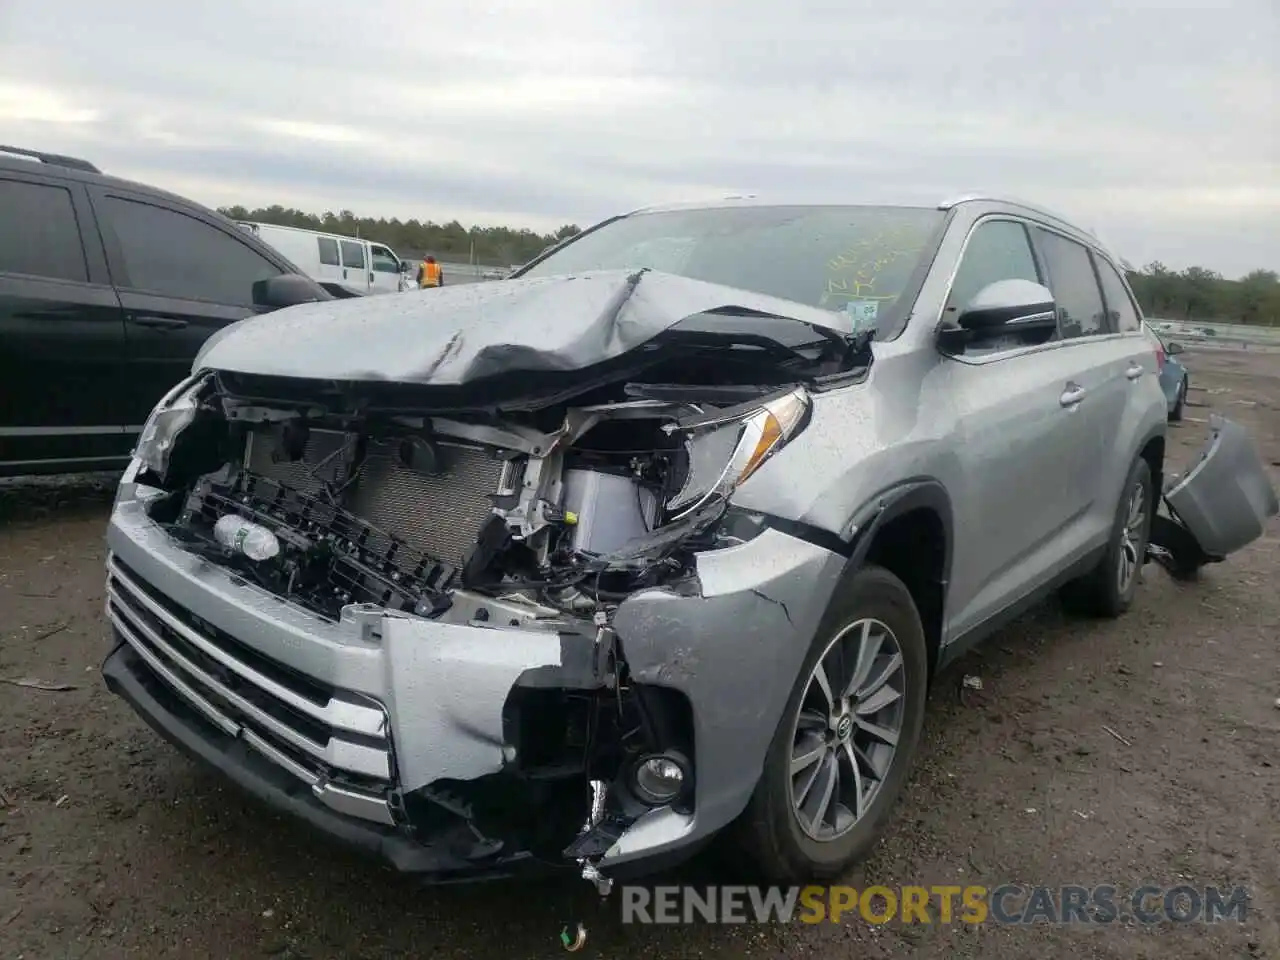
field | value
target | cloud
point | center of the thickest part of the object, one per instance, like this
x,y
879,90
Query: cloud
x,y
1152,121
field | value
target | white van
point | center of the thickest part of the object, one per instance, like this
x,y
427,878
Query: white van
x,y
357,264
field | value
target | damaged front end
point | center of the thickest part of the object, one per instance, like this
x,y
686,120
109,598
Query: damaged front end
x,y
407,598
1221,504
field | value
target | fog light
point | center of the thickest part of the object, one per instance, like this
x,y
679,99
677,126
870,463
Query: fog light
x,y
659,779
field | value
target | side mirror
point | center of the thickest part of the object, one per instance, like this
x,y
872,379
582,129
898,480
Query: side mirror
x,y
405,266
286,290
1174,348
1010,306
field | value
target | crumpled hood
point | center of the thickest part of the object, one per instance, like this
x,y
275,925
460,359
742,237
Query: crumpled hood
x,y
458,334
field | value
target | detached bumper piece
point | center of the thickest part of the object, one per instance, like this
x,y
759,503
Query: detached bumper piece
x,y
1223,503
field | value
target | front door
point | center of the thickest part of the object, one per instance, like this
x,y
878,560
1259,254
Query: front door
x,y
181,277
1021,429
386,269
62,342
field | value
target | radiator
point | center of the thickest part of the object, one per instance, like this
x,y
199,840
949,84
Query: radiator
x,y
439,514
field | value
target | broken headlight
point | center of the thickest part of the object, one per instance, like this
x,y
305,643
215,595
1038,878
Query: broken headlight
x,y
722,453
170,417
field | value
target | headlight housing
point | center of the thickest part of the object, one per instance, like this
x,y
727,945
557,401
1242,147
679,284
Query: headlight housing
x,y
170,417
723,453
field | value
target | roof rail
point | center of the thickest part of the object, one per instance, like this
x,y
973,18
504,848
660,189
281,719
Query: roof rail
x,y
1014,201
53,159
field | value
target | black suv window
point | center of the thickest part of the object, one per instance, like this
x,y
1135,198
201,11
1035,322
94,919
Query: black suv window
x,y
997,250
352,254
328,251
1120,309
39,235
1074,285
170,253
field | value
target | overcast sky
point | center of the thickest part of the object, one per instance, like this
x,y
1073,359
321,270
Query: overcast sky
x,y
1155,123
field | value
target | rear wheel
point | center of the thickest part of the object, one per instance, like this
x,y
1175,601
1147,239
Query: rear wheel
x,y
846,741
1108,590
1178,398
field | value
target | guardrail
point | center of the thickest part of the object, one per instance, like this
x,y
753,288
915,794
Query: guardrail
x,y
1225,334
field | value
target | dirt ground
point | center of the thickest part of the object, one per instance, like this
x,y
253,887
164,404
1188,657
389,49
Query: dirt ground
x,y
113,845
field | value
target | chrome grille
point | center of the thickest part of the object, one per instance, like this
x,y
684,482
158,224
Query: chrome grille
x,y
336,743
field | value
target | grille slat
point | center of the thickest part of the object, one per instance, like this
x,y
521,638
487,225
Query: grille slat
x,y
316,741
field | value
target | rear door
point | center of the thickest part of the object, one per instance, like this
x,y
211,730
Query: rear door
x,y
355,266
1098,365
181,276
62,341
330,269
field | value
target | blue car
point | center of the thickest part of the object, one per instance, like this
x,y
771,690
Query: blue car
x,y
1173,375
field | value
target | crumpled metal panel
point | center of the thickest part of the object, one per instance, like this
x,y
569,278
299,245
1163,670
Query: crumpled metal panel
x,y
1226,498
460,334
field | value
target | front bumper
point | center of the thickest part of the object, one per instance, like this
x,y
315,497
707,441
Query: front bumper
x,y
339,722
1220,505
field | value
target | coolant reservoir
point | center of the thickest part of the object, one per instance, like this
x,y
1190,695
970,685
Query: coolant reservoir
x,y
243,536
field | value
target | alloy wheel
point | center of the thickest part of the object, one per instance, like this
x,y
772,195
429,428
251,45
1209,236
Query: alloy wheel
x,y
846,733
1132,537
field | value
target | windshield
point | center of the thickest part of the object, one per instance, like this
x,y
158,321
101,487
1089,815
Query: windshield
x,y
853,259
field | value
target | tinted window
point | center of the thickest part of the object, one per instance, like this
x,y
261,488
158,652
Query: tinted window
x,y
352,254
858,259
1121,313
383,261
170,253
39,235
328,251
1074,285
997,250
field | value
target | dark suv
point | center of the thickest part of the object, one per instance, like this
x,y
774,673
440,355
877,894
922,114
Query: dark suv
x,y
107,290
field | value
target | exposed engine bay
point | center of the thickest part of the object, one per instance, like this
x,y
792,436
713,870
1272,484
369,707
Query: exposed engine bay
x,y
423,514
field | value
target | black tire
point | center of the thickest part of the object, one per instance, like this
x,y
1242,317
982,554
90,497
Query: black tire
x,y
1176,414
1099,592
769,832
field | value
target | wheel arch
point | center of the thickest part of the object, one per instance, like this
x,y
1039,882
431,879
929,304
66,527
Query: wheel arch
x,y
909,530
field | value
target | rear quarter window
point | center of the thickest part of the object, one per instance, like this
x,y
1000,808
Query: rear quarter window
x,y
39,233
1121,311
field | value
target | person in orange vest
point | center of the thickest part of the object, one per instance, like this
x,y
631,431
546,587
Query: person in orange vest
x,y
430,274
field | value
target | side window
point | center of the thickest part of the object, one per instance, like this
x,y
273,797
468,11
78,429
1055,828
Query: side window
x,y
383,261
997,250
353,254
328,251
1121,312
175,255
39,234
1074,285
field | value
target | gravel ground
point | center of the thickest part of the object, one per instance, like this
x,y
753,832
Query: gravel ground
x,y
112,845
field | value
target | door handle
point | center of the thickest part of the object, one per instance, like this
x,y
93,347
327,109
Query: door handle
x,y
1072,395
1134,371
160,323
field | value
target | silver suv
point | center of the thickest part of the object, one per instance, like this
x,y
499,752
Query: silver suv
x,y
666,534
